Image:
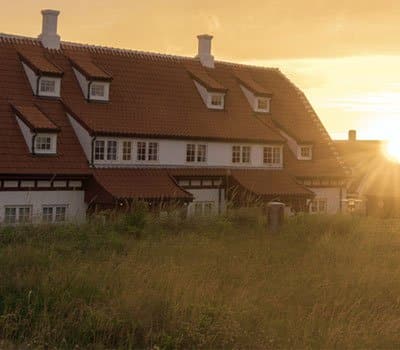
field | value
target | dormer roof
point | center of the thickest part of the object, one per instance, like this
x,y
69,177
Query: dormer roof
x,y
247,81
34,57
85,65
199,73
35,119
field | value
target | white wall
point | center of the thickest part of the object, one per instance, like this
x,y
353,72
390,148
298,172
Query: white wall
x,y
26,132
76,206
83,83
173,152
207,195
83,136
332,195
32,77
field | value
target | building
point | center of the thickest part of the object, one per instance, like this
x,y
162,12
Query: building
x,y
86,128
374,188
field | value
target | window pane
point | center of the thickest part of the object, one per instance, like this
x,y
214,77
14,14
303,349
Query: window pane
x,y
235,154
267,155
47,85
10,215
305,152
246,154
190,152
99,150
47,214
216,100
97,90
141,150
24,214
60,214
277,155
111,150
153,151
201,153
126,150
43,143
263,104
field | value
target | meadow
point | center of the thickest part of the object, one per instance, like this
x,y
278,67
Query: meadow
x,y
163,283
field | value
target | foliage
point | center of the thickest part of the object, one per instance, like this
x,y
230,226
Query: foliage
x,y
138,281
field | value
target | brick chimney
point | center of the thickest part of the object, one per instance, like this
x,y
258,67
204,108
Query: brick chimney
x,y
49,37
352,135
204,52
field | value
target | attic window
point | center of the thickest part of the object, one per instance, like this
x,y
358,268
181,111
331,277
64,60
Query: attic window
x,y
262,104
45,144
47,86
97,90
216,101
305,152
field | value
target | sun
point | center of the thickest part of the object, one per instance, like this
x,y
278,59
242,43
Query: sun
x,y
391,150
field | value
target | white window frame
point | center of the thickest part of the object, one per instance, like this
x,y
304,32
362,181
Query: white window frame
x,y
257,99
300,156
18,209
196,154
274,163
106,141
241,153
55,81
106,89
147,151
53,143
131,152
54,208
211,95
316,207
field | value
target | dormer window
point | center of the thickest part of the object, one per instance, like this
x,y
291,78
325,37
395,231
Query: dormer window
x,y
305,152
262,104
216,101
93,80
49,86
39,132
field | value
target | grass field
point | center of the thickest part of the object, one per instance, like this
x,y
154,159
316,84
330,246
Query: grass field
x,y
323,282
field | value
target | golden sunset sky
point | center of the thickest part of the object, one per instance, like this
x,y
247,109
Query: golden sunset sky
x,y
345,55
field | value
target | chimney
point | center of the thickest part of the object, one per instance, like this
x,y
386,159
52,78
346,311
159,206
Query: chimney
x,y
352,135
49,37
204,54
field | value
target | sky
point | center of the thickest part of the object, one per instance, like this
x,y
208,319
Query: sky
x,y
345,55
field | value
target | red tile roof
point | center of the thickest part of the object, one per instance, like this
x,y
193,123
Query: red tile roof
x,y
140,184
84,64
250,84
36,59
35,119
199,73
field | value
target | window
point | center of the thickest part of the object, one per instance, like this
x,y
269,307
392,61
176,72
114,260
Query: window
x,y
42,143
126,150
153,151
196,153
111,150
262,104
203,208
141,151
53,213
147,151
14,215
190,152
97,90
235,154
47,86
273,156
319,205
99,150
241,154
245,154
305,152
216,101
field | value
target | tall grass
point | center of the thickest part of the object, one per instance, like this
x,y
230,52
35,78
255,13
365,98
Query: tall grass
x,y
141,282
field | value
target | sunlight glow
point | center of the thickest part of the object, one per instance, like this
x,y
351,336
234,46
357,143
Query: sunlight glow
x,y
391,150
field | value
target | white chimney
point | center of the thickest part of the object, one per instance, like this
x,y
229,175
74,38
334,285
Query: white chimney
x,y
49,37
204,55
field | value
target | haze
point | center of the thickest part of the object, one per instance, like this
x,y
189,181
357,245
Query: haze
x,y
345,56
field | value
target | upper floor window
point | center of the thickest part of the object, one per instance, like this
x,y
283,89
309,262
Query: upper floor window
x,y
97,90
262,104
241,154
273,156
111,150
305,152
196,153
99,150
147,151
45,144
47,85
127,150
216,100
